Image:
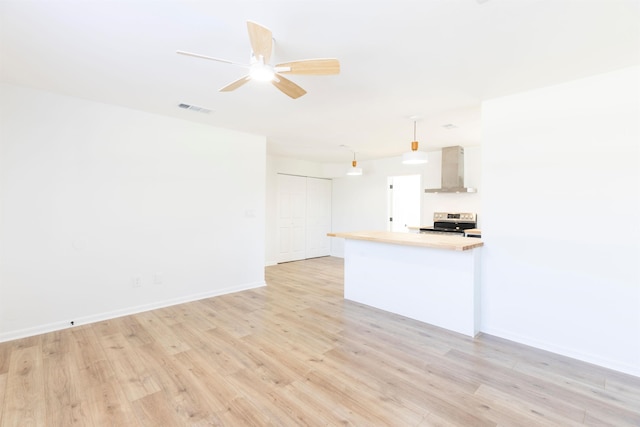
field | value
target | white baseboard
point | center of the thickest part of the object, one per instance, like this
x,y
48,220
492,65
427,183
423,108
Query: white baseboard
x,y
564,351
65,324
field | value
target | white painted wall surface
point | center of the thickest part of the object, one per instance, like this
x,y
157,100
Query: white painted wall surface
x,y
560,166
94,195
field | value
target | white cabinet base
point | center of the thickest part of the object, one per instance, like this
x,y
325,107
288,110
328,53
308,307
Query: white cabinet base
x,y
435,286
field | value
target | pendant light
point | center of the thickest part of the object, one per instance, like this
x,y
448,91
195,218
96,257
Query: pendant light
x,y
354,170
414,157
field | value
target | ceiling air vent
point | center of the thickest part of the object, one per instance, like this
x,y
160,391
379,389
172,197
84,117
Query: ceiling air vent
x,y
194,108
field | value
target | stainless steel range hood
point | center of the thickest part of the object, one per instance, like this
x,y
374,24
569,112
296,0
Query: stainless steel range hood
x,y
452,177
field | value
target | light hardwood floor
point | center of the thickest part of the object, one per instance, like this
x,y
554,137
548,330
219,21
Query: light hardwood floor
x,y
296,353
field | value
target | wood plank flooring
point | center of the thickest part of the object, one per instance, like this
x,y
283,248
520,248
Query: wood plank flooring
x,y
295,353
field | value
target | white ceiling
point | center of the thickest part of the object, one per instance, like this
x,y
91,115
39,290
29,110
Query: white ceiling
x,y
436,59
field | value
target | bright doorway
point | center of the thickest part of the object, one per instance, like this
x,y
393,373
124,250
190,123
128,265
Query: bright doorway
x,y
404,202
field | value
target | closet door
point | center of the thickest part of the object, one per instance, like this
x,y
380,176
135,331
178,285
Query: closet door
x,y
292,201
318,217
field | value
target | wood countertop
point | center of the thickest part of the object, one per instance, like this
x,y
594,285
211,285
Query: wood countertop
x,y
437,241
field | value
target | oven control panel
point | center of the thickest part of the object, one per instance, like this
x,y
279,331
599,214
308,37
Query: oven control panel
x,y
454,217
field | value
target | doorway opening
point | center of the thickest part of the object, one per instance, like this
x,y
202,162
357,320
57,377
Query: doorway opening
x,y
404,202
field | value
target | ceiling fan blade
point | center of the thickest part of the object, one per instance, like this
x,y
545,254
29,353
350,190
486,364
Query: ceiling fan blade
x,y
197,55
310,66
288,87
236,84
261,40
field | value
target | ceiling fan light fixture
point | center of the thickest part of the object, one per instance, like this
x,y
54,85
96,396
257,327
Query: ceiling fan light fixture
x,y
260,68
414,157
262,73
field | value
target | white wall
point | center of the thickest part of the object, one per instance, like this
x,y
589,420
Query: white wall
x,y
561,166
94,195
360,202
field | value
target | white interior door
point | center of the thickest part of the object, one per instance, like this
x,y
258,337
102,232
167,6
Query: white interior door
x,y
404,202
318,217
292,201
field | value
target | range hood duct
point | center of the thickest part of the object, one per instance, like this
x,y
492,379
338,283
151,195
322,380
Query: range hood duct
x,y
452,177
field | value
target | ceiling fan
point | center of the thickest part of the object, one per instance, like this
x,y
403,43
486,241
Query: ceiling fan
x,y
261,69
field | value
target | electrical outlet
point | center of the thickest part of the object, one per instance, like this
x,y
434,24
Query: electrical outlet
x,y
136,281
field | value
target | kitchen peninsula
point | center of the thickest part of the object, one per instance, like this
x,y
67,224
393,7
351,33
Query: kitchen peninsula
x,y
428,277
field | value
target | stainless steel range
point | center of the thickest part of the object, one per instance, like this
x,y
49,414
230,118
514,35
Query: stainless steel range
x,y
451,223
